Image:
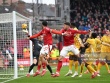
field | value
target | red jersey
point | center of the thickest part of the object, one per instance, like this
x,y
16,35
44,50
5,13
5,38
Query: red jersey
x,y
47,36
68,39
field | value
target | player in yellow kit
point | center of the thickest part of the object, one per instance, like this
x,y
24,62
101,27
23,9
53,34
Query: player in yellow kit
x,y
105,51
97,47
72,58
91,54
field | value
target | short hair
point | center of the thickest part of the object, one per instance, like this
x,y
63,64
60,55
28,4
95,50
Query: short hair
x,y
94,35
73,24
44,23
67,23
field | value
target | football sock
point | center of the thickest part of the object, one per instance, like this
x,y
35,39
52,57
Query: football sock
x,y
82,67
43,65
70,64
95,67
90,69
31,67
38,67
99,66
107,66
49,68
59,66
76,65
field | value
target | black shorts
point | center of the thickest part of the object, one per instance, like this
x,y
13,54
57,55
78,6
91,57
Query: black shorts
x,y
73,57
36,54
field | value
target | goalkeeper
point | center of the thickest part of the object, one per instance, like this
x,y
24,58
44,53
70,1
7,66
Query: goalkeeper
x,y
37,45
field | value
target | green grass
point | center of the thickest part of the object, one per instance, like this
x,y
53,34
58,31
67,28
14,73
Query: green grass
x,y
105,78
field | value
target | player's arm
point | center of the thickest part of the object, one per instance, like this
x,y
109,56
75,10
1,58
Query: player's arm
x,y
32,39
98,41
103,39
56,31
80,32
36,35
106,44
87,43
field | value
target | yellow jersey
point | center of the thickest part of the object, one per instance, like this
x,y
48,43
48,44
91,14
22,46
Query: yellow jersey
x,y
77,40
105,39
98,44
92,47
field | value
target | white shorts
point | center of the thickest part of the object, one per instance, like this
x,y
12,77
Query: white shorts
x,y
66,49
46,49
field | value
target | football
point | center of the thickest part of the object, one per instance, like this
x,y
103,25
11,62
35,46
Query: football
x,y
24,26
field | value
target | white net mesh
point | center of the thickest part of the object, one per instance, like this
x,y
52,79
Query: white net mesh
x,y
7,46
7,17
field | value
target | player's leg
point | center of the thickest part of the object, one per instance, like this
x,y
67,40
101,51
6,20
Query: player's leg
x,y
99,67
63,53
45,64
101,62
91,69
107,67
44,52
70,65
49,67
76,55
38,69
76,63
108,58
31,67
35,61
81,69
95,66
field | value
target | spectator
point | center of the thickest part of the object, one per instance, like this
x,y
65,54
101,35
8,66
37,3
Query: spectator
x,y
95,14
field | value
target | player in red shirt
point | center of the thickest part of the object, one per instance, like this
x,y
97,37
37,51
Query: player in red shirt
x,y
68,35
47,39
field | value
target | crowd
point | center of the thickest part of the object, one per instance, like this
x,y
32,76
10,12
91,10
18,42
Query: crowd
x,y
91,14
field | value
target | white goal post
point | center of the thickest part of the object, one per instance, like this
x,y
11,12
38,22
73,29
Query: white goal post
x,y
12,36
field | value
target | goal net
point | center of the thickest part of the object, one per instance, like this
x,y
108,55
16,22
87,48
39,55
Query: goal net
x,y
15,49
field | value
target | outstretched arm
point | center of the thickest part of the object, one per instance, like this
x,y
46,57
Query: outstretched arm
x,y
36,35
106,44
56,31
80,32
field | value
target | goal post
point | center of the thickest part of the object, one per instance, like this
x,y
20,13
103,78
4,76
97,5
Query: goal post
x,y
15,15
11,35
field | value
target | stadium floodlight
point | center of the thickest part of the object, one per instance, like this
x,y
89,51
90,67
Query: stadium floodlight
x,y
13,43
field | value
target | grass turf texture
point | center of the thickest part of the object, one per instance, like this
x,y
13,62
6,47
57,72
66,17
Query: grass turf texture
x,y
105,78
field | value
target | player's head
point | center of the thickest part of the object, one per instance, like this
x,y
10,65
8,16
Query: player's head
x,y
98,37
73,25
66,25
44,24
107,32
93,35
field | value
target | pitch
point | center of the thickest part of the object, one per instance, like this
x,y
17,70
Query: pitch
x,y
105,77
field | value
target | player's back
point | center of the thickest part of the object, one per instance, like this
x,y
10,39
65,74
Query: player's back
x,y
47,36
92,45
98,44
37,44
77,40
105,39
